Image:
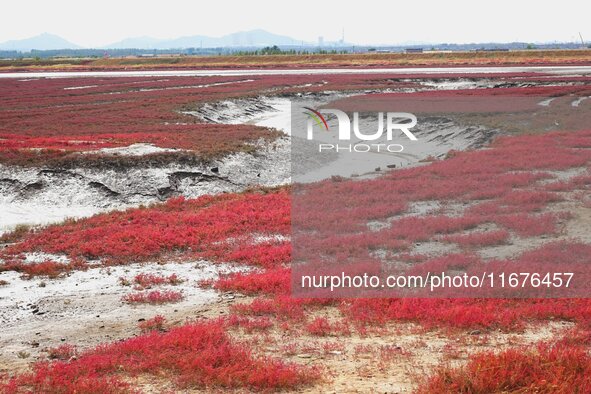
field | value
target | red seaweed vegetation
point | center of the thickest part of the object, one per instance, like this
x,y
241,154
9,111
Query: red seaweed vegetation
x,y
153,297
560,367
205,227
38,128
504,193
253,229
148,280
196,355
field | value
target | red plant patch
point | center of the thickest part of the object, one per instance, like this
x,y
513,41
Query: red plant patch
x,y
198,355
272,281
191,226
320,326
154,324
250,324
50,269
153,297
548,368
505,314
529,225
283,307
62,352
488,238
37,127
146,281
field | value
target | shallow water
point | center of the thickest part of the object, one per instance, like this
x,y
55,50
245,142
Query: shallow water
x,y
436,138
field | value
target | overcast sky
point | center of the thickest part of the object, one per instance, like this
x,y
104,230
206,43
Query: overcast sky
x,y
102,22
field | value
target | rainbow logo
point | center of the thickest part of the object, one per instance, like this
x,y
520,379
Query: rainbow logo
x,y
317,116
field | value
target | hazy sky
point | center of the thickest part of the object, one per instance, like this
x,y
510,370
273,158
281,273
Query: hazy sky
x,y
102,22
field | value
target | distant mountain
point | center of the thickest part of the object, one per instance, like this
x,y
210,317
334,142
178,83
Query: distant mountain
x,y
43,41
252,38
136,42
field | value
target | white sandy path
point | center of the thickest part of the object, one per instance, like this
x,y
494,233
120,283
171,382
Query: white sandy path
x,y
102,290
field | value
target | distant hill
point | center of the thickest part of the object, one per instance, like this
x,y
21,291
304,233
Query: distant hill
x,y
47,45
135,42
42,42
252,38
